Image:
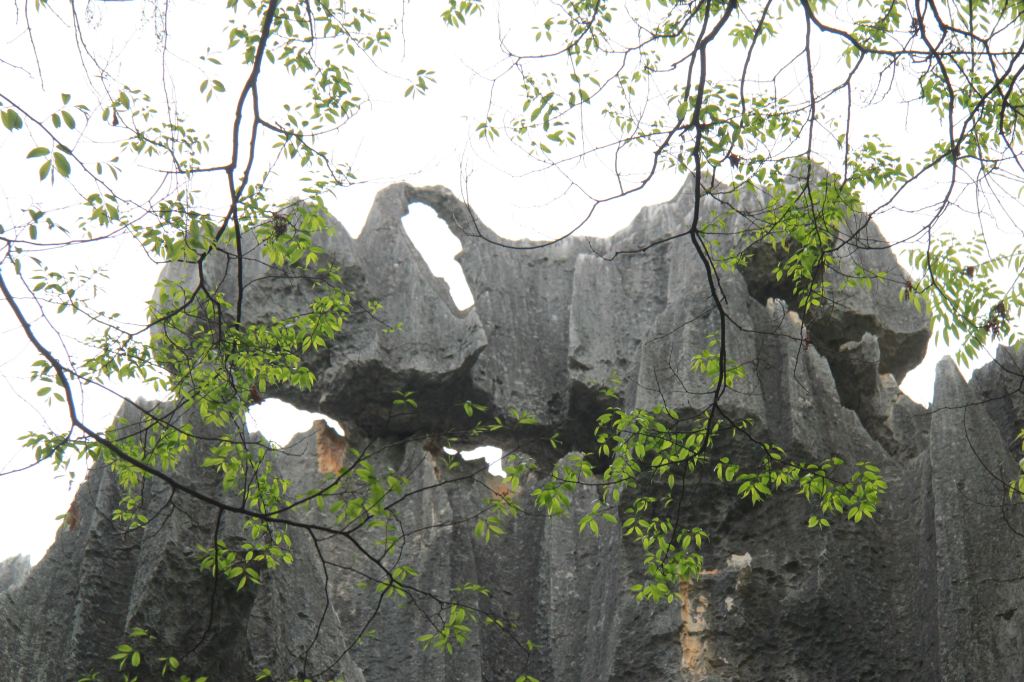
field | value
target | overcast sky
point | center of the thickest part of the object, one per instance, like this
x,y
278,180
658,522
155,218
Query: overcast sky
x,y
427,140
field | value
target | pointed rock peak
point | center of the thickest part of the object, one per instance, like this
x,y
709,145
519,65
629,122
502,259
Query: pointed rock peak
x,y
13,571
950,385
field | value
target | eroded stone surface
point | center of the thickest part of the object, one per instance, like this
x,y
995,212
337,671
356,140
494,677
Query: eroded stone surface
x,y
554,324
13,571
928,590
101,579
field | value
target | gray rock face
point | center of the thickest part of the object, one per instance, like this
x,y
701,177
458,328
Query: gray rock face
x,y
929,590
980,629
101,579
13,572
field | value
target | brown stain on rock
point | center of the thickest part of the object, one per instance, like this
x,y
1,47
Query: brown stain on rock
x,y
331,448
71,516
693,644
697,657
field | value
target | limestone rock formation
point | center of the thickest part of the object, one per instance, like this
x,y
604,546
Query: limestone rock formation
x,y
13,571
929,590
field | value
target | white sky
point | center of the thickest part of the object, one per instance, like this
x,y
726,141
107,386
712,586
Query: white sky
x,y
427,140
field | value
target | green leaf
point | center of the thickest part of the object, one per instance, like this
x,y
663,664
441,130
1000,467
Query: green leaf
x,y
61,162
11,119
37,152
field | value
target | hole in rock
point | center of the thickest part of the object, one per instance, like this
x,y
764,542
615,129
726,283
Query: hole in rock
x,y
487,452
438,246
279,422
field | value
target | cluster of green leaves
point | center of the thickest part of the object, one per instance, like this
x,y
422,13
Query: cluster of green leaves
x,y
972,294
801,222
245,566
647,457
130,657
452,633
460,10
